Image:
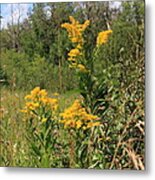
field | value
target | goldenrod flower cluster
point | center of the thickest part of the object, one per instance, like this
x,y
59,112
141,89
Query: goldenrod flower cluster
x,y
77,117
38,103
73,54
75,30
102,37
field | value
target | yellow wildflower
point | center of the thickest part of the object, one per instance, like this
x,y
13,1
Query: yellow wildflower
x,y
74,52
82,68
28,97
73,65
79,46
92,124
75,30
32,105
72,59
39,102
73,21
90,117
85,25
74,39
75,33
78,124
102,37
35,91
76,116
42,92
44,100
53,103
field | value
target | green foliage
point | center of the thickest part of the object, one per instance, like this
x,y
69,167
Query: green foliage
x,y
112,89
20,72
119,97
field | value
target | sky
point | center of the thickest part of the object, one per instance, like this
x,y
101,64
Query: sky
x,y
6,13
25,8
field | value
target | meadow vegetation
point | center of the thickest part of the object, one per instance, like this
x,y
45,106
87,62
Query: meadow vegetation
x,y
72,87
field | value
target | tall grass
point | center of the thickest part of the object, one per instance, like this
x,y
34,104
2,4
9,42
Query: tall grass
x,y
14,146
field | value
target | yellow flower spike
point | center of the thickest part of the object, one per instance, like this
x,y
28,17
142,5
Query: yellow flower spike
x,y
53,101
78,124
66,25
76,116
54,107
74,39
32,105
35,91
75,33
44,100
73,21
90,117
85,25
28,97
72,59
79,46
42,92
102,37
73,65
36,105
92,124
82,68
74,52
75,30
38,99
96,123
